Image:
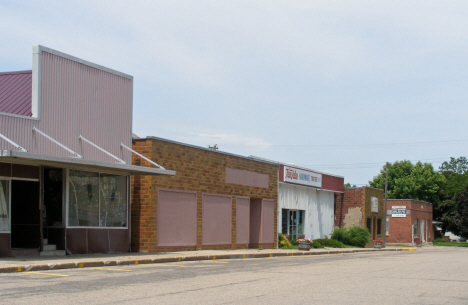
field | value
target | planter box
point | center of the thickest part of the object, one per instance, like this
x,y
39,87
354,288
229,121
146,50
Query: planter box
x,y
304,246
378,245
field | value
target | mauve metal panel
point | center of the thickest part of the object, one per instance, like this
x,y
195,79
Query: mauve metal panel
x,y
242,220
243,177
5,250
98,241
76,99
77,241
16,93
216,219
255,221
177,218
119,241
268,223
5,170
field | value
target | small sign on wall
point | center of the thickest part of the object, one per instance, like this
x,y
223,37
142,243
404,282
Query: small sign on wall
x,y
398,211
374,204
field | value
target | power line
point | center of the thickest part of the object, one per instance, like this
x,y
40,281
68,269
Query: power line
x,y
364,165
372,145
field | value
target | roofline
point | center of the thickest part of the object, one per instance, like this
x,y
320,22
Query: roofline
x,y
204,148
297,166
16,72
39,48
408,199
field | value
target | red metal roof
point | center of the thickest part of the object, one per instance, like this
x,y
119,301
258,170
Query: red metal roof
x,y
16,92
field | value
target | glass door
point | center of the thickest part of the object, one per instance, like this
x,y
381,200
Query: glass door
x,y
293,224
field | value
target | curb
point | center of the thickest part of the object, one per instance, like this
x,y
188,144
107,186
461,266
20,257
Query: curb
x,y
85,264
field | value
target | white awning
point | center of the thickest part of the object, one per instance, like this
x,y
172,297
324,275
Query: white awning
x,y
20,157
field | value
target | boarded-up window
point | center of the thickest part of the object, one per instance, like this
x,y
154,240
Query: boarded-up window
x,y
268,221
242,220
177,218
216,219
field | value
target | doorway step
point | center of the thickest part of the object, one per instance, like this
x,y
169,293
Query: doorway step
x,y
51,250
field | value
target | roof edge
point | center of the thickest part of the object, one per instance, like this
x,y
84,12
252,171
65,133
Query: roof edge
x,y
39,48
203,148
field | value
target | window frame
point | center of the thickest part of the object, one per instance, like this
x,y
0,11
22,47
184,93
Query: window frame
x,y
67,205
8,180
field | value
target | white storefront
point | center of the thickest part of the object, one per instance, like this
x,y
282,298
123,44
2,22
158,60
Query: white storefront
x,y
306,202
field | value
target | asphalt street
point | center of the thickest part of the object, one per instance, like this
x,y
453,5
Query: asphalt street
x,y
432,275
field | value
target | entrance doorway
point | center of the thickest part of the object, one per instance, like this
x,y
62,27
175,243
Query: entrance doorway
x,y
292,223
25,215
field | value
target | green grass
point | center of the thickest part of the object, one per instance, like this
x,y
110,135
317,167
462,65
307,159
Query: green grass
x,y
443,243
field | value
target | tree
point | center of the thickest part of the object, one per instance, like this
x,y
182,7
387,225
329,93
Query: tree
x,y
456,175
411,181
460,218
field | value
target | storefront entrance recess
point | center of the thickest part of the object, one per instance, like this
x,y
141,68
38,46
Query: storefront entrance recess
x,y
25,215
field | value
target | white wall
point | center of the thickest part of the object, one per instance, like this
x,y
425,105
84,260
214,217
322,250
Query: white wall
x,y
318,206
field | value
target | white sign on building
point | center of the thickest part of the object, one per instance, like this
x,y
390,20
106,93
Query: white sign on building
x,y
398,211
300,176
374,204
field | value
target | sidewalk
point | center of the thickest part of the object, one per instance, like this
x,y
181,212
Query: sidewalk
x,y
19,264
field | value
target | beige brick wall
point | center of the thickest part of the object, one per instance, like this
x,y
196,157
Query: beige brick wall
x,y
198,170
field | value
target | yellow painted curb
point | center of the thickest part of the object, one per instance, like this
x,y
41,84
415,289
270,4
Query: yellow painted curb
x,y
408,249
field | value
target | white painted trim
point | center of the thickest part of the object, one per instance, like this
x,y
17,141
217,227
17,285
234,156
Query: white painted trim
x,y
56,142
36,82
81,61
140,155
101,149
18,179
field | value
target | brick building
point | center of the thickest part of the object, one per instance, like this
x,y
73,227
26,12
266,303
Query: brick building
x,y
217,200
409,219
363,207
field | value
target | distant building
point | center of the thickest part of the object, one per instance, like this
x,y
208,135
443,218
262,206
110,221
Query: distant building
x,y
409,219
306,202
362,207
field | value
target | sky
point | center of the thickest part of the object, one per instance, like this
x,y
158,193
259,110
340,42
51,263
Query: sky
x,y
336,86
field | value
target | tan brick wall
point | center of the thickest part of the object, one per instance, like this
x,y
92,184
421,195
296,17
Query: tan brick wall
x,y
197,170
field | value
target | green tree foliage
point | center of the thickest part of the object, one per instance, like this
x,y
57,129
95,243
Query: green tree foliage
x,y
460,219
456,175
411,181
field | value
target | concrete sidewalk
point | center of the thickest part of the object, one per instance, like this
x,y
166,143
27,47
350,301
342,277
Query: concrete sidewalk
x,y
19,264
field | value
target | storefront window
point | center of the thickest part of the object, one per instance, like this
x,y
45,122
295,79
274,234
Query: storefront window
x,y
4,205
96,200
415,228
113,201
83,198
379,226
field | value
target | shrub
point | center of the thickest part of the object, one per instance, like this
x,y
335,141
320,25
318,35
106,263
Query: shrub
x,y
340,235
283,242
355,236
316,245
358,236
293,242
331,243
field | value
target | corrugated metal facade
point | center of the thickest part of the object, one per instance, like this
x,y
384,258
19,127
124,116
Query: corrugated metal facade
x,y
318,206
76,98
16,92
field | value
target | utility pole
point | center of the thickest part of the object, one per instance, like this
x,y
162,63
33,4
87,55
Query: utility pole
x,y
385,206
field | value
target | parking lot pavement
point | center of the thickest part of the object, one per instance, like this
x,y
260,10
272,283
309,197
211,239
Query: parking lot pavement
x,y
427,276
